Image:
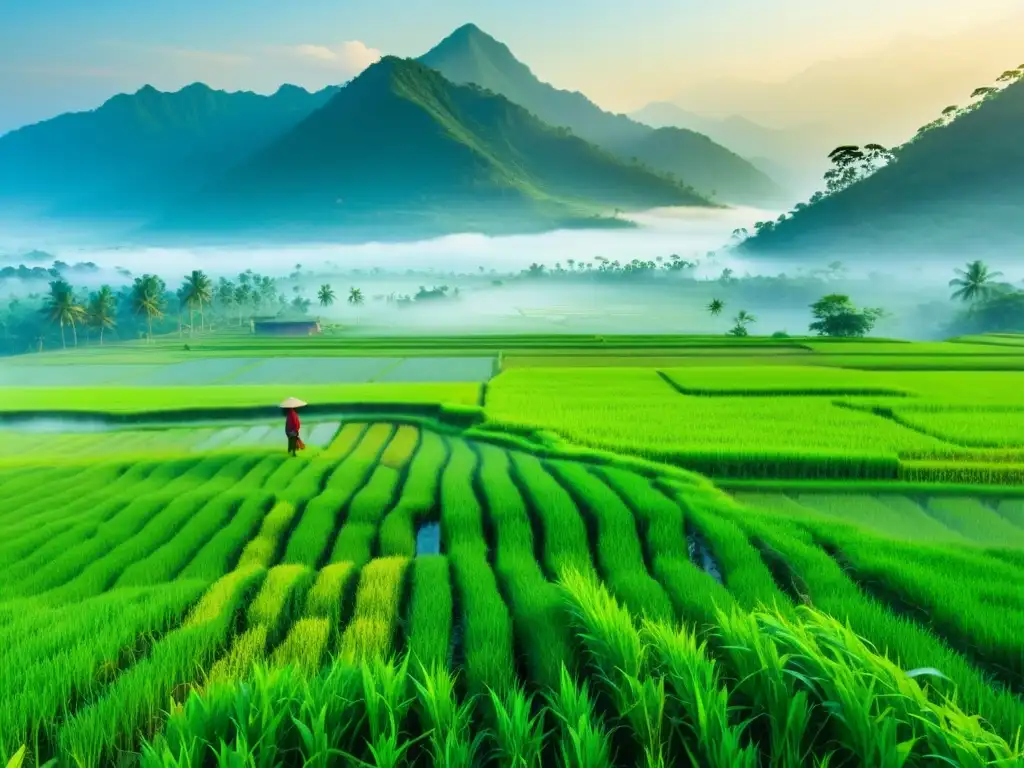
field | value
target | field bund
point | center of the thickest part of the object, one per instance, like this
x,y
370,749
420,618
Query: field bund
x,y
479,530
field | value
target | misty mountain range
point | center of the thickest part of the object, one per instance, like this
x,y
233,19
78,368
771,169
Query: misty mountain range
x,y
955,190
466,139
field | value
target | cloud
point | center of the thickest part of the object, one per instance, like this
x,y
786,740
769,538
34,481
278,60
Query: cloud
x,y
151,51
352,56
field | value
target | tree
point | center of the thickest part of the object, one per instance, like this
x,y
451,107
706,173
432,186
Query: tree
x,y
974,283
61,307
715,307
102,312
243,293
147,298
197,291
325,295
355,297
835,315
741,321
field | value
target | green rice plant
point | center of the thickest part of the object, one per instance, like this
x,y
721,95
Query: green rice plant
x,y
953,590
518,730
635,411
54,490
92,563
1012,510
693,593
267,618
371,445
565,535
304,645
446,721
346,439
537,611
619,657
584,740
261,550
386,701
894,516
365,512
271,716
876,711
700,699
968,426
39,539
402,446
226,545
371,632
976,521
429,624
486,629
762,680
310,539
135,699
974,473
309,481
747,578
310,542
202,520
783,380
418,497
325,596
618,552
55,655
910,645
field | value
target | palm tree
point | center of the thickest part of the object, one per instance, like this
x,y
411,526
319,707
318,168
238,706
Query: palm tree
x,y
198,291
355,297
742,320
148,299
243,292
325,295
61,307
102,310
974,283
715,307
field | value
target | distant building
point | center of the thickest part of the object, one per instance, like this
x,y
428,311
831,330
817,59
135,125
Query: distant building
x,y
276,327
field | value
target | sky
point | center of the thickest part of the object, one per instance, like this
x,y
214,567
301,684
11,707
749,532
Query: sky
x,y
65,55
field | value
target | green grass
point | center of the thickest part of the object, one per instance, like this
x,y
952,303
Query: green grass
x,y
146,574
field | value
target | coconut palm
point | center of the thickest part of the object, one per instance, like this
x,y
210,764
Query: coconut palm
x,y
61,307
741,321
102,312
974,283
243,293
198,292
715,307
147,299
355,297
325,295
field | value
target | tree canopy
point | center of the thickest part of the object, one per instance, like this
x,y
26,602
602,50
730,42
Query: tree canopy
x,y
835,315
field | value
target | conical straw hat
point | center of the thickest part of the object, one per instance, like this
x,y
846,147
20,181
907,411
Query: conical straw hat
x,y
292,402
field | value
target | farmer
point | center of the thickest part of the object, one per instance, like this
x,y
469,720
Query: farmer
x,y
292,424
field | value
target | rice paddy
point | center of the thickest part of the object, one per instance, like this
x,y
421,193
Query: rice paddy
x,y
604,565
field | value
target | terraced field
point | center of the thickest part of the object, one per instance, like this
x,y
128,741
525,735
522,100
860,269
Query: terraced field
x,y
525,573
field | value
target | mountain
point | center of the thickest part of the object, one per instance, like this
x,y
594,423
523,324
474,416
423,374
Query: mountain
x,y
882,95
956,190
469,55
137,152
402,149
796,156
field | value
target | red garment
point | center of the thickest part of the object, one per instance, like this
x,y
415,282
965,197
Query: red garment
x,y
291,422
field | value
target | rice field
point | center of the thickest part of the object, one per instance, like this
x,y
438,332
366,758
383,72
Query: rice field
x,y
535,568
181,577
